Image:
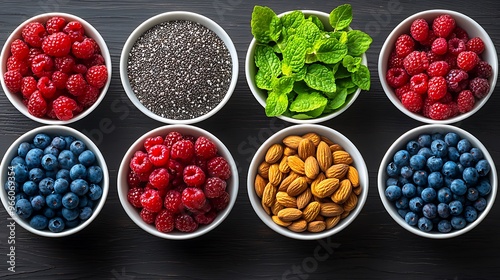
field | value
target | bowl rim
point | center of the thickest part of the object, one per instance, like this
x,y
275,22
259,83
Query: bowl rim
x,y
335,136
169,16
387,47
132,212
249,63
51,130
89,28
427,129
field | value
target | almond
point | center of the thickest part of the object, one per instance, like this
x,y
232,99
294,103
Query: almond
x,y
316,226
289,151
344,214
287,201
342,157
357,191
314,137
325,188
289,214
297,186
350,203
343,192
266,208
319,178
304,198
279,222
319,218
326,140
276,207
337,171
263,170
260,183
275,175
353,176
287,181
298,226
332,221
311,211
306,149
331,209
274,153
292,141
284,168
311,167
269,195
296,164
324,156
336,147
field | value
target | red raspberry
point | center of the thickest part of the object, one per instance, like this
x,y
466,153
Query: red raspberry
x,y
220,203
19,49
32,54
172,138
151,200
134,197
42,65
76,84
205,218
412,101
159,155
147,216
437,88
402,90
404,45
55,24
28,86
465,101
15,64
175,168
161,192
454,109
397,77
475,44
451,60
185,223
190,138
457,80
214,187
59,79
173,201
443,25
460,34
438,68
418,83
46,87
193,198
480,87
97,76
446,99
201,163
95,60
427,106
467,60
440,111
193,176
416,62
165,221
57,44
159,178
80,69
84,49
205,148
430,38
182,150
37,106
439,46
65,64
141,164
133,180
13,80
75,31
456,46
33,34
419,29
152,141
89,97
395,61
482,70
218,167
64,107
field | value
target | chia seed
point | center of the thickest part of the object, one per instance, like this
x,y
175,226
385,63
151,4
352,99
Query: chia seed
x,y
179,69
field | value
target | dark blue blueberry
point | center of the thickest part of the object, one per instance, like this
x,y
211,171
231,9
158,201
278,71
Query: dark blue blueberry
x,y
41,140
439,148
424,140
420,178
429,210
435,180
443,210
17,160
72,223
464,146
87,158
78,171
90,203
34,158
419,190
61,186
20,196
470,214
406,172
79,187
38,202
63,174
24,208
51,150
472,194
30,188
11,186
401,158
58,142
392,170
458,187
417,162
70,214
46,186
424,224
83,201
483,167
466,159
461,168
453,154
444,195
409,190
458,222
77,147
49,162
69,140
470,176
402,181
411,218
480,204
451,138
437,136
456,207
428,194
450,169
460,198
48,212
477,154
56,224
391,181
426,152
402,212
54,201
95,192
444,226
401,203
85,213
483,187
412,147
36,175
393,192
416,204
434,163
94,174
70,200
21,173
66,159
23,149
39,222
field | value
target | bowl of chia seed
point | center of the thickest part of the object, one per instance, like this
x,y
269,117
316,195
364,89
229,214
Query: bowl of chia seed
x,y
179,67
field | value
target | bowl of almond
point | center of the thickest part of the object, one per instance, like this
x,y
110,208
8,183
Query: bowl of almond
x,y
307,182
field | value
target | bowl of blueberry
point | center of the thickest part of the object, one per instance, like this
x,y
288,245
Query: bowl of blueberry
x,y
437,181
55,181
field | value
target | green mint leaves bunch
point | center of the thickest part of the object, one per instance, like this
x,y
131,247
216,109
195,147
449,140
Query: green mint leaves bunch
x,y
308,69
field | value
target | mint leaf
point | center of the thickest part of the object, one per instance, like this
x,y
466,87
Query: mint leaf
x,y
266,26
346,83
308,31
302,117
331,51
305,102
342,72
292,20
301,87
263,80
351,63
361,77
358,42
338,100
282,85
341,17
267,60
316,112
314,19
311,58
299,75
294,55
276,104
319,77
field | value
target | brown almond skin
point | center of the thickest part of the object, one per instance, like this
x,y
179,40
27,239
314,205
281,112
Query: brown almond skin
x,y
292,141
274,153
325,188
342,157
263,170
316,226
350,203
304,198
287,201
311,211
269,195
338,171
343,192
259,183
297,186
332,221
287,181
275,175
324,156
283,166
353,176
314,137
331,209
296,164
306,149
311,167
280,222
289,214
298,226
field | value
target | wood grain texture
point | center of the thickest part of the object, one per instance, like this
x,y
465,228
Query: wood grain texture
x,y
242,247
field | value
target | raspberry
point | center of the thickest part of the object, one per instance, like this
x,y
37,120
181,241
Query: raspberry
x,y
32,54
404,45
37,106
175,168
447,98
89,97
190,138
419,29
133,180
201,163
220,203
33,34
172,138
57,44
147,216
161,192
84,49
467,60
75,31
427,106
475,44
480,87
402,90
59,79
159,155
193,198
15,64
439,46
214,187
218,167
204,148
437,88
19,49
451,60
65,64
95,60
454,109
182,150
483,70
159,178
412,101
55,24
28,86
457,80
134,196
97,76
438,68
397,77
465,101
432,57
46,87
13,80
456,46
151,200
185,223
152,141
205,218
193,176
418,83
42,65
460,34
443,25
80,68
416,62
440,111
141,164
64,107
173,201
430,38
395,61
76,84
165,221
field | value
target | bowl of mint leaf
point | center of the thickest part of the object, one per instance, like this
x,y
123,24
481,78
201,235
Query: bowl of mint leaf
x,y
306,66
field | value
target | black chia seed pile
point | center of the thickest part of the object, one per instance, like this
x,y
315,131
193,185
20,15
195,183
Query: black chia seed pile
x,y
179,69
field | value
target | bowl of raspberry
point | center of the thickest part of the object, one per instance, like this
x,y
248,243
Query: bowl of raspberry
x,y
437,181
438,66
178,182
55,181
55,68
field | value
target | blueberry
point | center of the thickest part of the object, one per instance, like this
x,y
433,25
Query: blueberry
x,y
54,201
48,212
39,222
450,169
483,187
480,204
95,192
401,158
470,214
77,147
439,148
416,204
37,202
401,203
90,203
94,174
51,150
20,196
477,154
460,198
426,152
392,170
70,200
63,174
46,186
85,213
424,224
443,210
23,149
453,154
36,175
66,159
406,172
412,147
72,223
87,158
437,136
49,162
17,160
464,146
411,218
11,186
458,222
409,190
56,224
470,176
402,212
428,194
79,187
456,207
424,140
30,188
417,162
83,201
34,158
69,140
24,208
461,168
420,178
402,181
70,214
472,194
434,163
444,195
435,180
419,190
451,138
61,186
458,187
483,167
41,140
430,210
444,226
393,192
391,181
58,142
21,173
78,171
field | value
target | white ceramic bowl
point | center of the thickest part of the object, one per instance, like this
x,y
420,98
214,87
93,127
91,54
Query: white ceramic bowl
x,y
302,129
90,31
473,29
53,130
171,16
413,134
133,213
261,95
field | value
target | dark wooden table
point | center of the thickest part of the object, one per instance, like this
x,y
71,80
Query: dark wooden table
x,y
242,247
